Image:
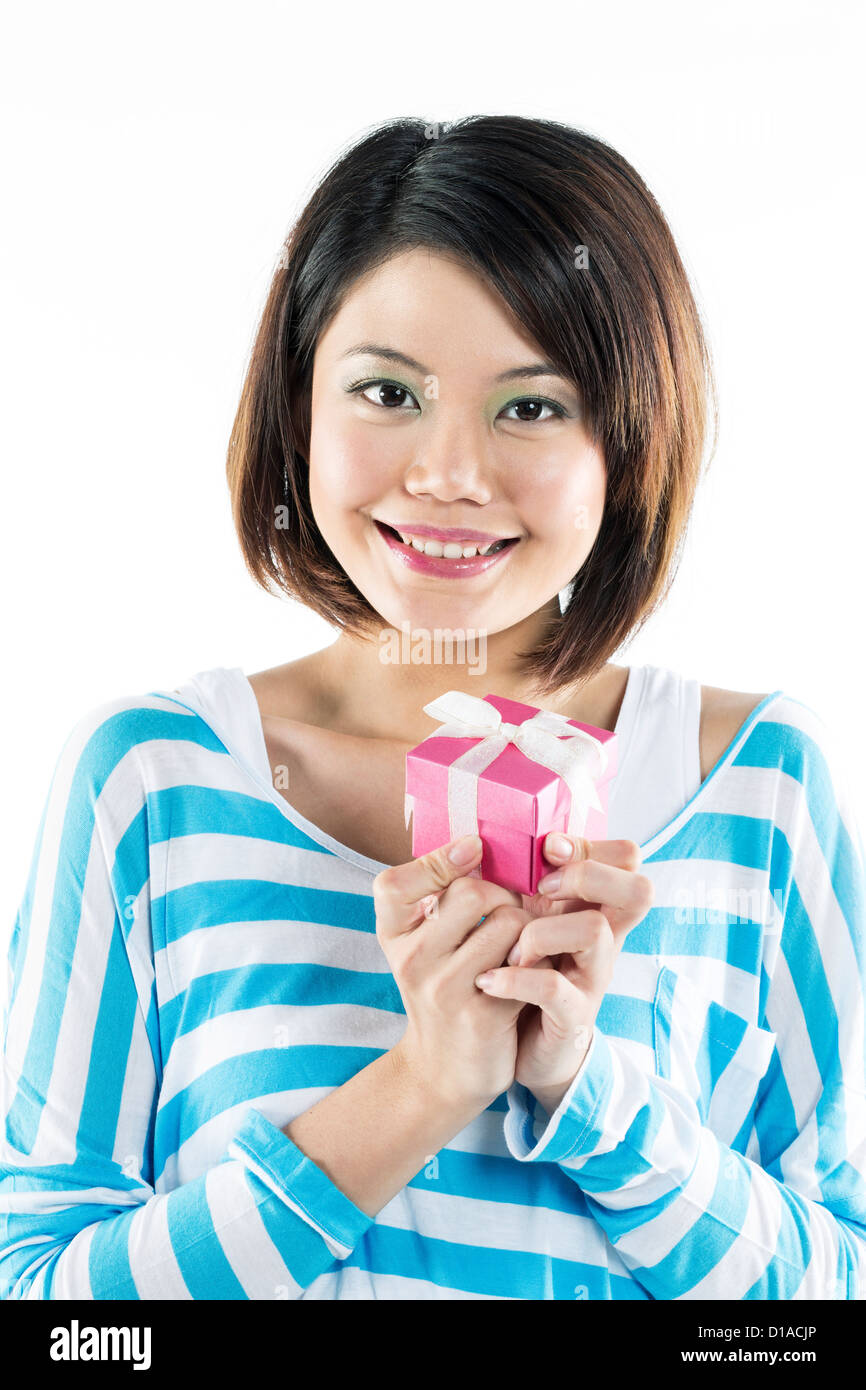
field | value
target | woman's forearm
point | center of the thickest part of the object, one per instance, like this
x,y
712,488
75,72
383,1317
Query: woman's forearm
x,y
375,1132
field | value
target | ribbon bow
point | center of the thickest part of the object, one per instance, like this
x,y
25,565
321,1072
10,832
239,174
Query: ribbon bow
x,y
547,738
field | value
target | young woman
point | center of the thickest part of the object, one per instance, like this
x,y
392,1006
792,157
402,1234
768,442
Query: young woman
x,y
255,1050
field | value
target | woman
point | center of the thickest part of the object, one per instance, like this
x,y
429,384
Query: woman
x,y
254,1049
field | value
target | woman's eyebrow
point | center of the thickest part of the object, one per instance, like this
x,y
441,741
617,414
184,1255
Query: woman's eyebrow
x,y
392,355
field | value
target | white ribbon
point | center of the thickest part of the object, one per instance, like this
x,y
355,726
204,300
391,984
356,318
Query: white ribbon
x,y
577,758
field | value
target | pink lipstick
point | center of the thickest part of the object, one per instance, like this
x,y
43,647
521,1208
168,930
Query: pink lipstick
x,y
441,566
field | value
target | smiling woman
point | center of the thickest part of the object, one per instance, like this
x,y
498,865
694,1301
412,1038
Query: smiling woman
x,y
415,366
289,1059
435,456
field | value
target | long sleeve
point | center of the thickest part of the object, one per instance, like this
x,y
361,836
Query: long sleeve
x,y
79,1213
692,1216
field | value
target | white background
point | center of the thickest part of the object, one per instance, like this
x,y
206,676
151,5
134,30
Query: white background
x,y
154,159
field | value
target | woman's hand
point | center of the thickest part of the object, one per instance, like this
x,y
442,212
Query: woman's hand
x,y
563,960
458,1045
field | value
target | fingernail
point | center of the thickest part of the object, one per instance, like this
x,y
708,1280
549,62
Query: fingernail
x,y
560,845
514,955
550,883
464,849
484,979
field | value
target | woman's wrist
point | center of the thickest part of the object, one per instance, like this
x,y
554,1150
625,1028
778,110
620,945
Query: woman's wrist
x,y
431,1091
374,1133
551,1097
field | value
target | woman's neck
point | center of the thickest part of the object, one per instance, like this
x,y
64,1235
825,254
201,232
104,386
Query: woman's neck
x,y
359,694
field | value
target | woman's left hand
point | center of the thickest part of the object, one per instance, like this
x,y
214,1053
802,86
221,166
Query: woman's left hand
x,y
567,954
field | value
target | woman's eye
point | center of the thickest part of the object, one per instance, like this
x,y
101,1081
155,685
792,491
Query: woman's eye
x,y
386,391
536,405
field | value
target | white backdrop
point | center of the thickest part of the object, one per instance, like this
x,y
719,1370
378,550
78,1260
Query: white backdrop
x,y
154,159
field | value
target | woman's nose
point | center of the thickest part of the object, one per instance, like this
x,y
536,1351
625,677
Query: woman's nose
x,y
451,466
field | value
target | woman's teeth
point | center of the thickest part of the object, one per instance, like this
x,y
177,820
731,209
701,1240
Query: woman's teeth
x,y
451,550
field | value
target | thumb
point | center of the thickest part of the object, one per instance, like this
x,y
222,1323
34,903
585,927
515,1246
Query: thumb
x,y
398,890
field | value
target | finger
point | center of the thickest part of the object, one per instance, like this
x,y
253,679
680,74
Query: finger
x,y
583,935
630,894
488,942
563,1003
559,849
542,906
399,889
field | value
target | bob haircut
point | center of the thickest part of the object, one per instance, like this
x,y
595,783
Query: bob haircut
x,y
514,199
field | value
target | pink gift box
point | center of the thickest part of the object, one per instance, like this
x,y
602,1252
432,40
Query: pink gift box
x,y
519,801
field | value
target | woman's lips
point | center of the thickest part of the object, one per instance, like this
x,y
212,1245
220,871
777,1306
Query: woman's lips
x,y
437,565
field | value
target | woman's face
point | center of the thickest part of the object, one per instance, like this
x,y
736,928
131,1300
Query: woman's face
x,y
461,438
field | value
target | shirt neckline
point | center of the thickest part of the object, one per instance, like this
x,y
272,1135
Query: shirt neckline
x,y
636,678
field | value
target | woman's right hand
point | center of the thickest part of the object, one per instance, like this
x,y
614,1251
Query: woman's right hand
x,y
459,1042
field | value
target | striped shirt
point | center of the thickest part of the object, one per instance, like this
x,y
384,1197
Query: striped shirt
x,y
194,964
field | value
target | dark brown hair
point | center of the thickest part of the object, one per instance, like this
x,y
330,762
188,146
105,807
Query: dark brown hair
x,y
513,198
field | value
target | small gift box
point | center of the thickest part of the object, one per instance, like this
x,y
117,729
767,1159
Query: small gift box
x,y
510,773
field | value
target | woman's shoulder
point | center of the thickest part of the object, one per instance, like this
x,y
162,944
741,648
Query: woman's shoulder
x,y
113,736
723,713
790,735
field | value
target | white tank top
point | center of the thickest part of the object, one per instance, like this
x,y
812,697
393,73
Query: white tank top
x,y
658,730
658,736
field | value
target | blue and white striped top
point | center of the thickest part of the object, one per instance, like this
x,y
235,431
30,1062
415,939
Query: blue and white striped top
x,y
194,964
